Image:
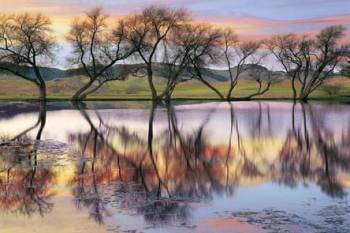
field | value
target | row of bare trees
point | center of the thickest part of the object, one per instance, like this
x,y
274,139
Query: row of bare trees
x,y
168,40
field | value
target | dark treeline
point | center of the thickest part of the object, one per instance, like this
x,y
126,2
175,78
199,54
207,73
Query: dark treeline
x,y
171,39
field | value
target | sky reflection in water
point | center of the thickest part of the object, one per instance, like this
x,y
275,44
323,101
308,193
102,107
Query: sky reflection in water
x,y
204,167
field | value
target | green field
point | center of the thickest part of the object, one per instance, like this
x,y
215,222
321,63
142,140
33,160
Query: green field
x,y
337,88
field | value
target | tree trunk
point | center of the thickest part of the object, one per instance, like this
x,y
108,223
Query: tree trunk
x,y
304,98
42,91
150,83
260,92
41,84
42,117
304,95
229,94
294,89
84,95
210,86
78,94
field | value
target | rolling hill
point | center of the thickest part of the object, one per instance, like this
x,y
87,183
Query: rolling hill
x,y
62,84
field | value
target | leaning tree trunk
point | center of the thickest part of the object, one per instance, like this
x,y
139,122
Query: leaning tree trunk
x,y
228,97
40,82
211,87
78,95
259,92
86,93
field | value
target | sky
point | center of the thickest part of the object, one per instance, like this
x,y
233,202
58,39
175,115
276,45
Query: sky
x,y
250,18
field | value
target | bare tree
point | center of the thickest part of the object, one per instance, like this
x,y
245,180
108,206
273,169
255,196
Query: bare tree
x,y
286,49
148,31
241,57
264,79
25,43
231,41
174,64
204,41
97,48
186,55
309,61
321,57
176,57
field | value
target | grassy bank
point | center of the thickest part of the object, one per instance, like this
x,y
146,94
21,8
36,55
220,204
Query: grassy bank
x,y
337,89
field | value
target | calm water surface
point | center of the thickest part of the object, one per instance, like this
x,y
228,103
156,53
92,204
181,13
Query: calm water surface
x,y
189,167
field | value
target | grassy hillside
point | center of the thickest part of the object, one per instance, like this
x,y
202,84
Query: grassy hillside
x,y
134,88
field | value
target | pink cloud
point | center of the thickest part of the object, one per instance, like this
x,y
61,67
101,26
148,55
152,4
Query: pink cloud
x,y
248,26
260,27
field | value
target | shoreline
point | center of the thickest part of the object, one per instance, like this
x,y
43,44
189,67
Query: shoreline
x,y
345,99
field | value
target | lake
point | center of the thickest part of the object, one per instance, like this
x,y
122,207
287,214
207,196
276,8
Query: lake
x,y
240,167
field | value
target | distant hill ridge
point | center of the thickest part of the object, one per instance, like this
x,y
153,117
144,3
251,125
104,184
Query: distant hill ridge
x,y
55,73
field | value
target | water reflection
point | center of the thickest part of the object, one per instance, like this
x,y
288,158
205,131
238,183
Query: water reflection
x,y
159,175
25,184
311,152
160,172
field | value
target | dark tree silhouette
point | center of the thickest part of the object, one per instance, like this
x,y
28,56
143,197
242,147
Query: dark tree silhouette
x,y
148,31
205,42
177,50
97,48
25,44
241,57
286,49
187,52
309,61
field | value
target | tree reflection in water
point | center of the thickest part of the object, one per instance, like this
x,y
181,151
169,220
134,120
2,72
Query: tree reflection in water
x,y
24,183
312,154
159,175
